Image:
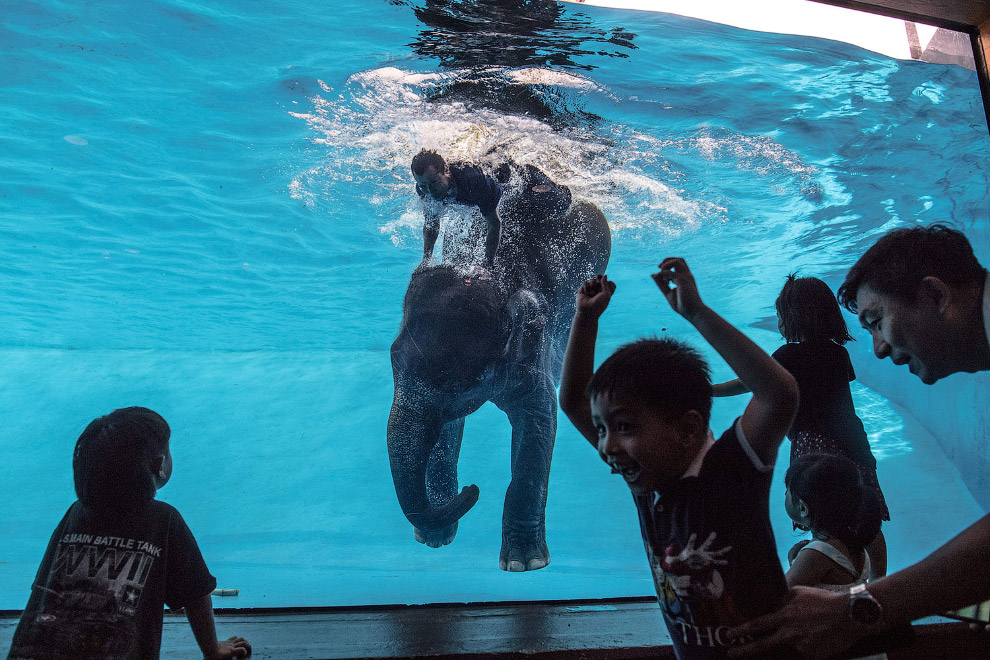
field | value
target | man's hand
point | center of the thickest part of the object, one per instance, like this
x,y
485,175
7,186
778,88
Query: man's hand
x,y
677,284
593,296
813,622
235,647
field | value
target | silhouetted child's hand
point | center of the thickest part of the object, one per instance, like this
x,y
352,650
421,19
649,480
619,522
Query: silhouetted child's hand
x,y
594,295
677,284
235,647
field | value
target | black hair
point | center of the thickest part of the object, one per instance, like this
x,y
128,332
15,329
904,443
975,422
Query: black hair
x,y
895,265
809,311
839,503
665,373
112,461
424,159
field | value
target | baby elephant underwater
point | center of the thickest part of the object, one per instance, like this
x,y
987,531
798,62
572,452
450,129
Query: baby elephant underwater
x,y
469,336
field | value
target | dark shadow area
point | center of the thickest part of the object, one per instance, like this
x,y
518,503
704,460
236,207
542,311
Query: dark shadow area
x,y
482,40
512,33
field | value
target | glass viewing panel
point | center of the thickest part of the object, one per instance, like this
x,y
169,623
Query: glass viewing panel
x,y
208,210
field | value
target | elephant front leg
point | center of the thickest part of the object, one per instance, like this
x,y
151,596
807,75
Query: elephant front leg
x,y
534,426
441,480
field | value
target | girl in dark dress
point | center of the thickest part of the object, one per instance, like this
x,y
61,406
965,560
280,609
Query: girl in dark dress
x,y
811,323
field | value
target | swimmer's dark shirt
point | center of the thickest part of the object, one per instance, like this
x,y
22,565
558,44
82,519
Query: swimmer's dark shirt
x,y
472,186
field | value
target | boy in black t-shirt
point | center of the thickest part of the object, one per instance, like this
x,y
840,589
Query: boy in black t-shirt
x,y
118,556
703,504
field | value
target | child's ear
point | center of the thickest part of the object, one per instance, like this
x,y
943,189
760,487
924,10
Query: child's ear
x,y
692,427
801,508
158,465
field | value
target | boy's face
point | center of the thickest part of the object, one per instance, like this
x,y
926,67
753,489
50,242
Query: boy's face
x,y
165,468
646,449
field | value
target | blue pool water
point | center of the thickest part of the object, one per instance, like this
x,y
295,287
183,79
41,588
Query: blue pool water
x,y
206,209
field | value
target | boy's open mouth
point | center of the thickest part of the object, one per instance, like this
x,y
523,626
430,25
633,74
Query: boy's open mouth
x,y
629,472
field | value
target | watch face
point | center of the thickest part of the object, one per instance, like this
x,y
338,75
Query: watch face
x,y
863,609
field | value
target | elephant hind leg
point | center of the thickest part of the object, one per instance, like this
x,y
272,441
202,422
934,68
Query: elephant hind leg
x,y
441,480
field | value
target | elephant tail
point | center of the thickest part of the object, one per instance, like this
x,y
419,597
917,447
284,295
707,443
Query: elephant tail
x,y
436,518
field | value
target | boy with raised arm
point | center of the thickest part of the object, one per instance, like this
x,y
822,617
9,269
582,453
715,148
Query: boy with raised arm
x,y
702,503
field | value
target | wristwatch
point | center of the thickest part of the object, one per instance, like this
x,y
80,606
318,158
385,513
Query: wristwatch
x,y
863,607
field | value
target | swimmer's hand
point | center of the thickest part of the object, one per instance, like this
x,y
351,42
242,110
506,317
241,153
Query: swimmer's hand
x,y
677,284
235,647
593,296
479,272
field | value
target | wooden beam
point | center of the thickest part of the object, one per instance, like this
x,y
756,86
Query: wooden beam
x,y
959,15
981,53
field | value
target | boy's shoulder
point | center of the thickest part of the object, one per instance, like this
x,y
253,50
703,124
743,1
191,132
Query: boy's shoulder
x,y
159,508
733,451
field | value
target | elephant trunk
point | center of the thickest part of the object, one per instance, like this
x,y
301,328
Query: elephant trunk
x,y
411,439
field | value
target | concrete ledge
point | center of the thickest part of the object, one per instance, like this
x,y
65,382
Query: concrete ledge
x,y
619,629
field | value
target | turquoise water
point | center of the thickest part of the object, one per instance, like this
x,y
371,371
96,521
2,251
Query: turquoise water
x,y
206,209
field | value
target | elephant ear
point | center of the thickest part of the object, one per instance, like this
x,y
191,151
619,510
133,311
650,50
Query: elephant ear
x,y
528,316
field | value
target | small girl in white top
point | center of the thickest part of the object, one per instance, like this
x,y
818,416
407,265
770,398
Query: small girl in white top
x,y
826,496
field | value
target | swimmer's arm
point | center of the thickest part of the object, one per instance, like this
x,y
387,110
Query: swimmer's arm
x,y
200,615
808,569
493,236
732,387
431,230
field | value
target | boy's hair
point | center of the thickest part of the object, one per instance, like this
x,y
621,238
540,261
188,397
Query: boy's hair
x,y
839,503
111,465
665,373
808,311
424,159
895,265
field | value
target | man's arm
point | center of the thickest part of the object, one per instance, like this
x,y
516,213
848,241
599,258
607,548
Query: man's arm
x,y
817,622
200,615
579,359
431,230
493,236
732,387
775,393
953,576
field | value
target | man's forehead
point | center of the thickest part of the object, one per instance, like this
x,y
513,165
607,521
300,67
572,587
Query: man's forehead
x,y
869,301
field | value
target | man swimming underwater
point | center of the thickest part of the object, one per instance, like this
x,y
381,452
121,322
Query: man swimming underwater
x,y
464,183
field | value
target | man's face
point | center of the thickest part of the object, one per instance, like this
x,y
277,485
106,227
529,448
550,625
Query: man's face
x,y
437,182
910,333
638,443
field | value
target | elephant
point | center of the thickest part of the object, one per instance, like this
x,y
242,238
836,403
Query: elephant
x,y
469,335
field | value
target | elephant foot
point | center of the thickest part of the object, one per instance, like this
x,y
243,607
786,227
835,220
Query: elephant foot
x,y
523,552
436,539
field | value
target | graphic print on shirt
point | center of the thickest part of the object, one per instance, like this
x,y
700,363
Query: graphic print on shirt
x,y
94,588
692,591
